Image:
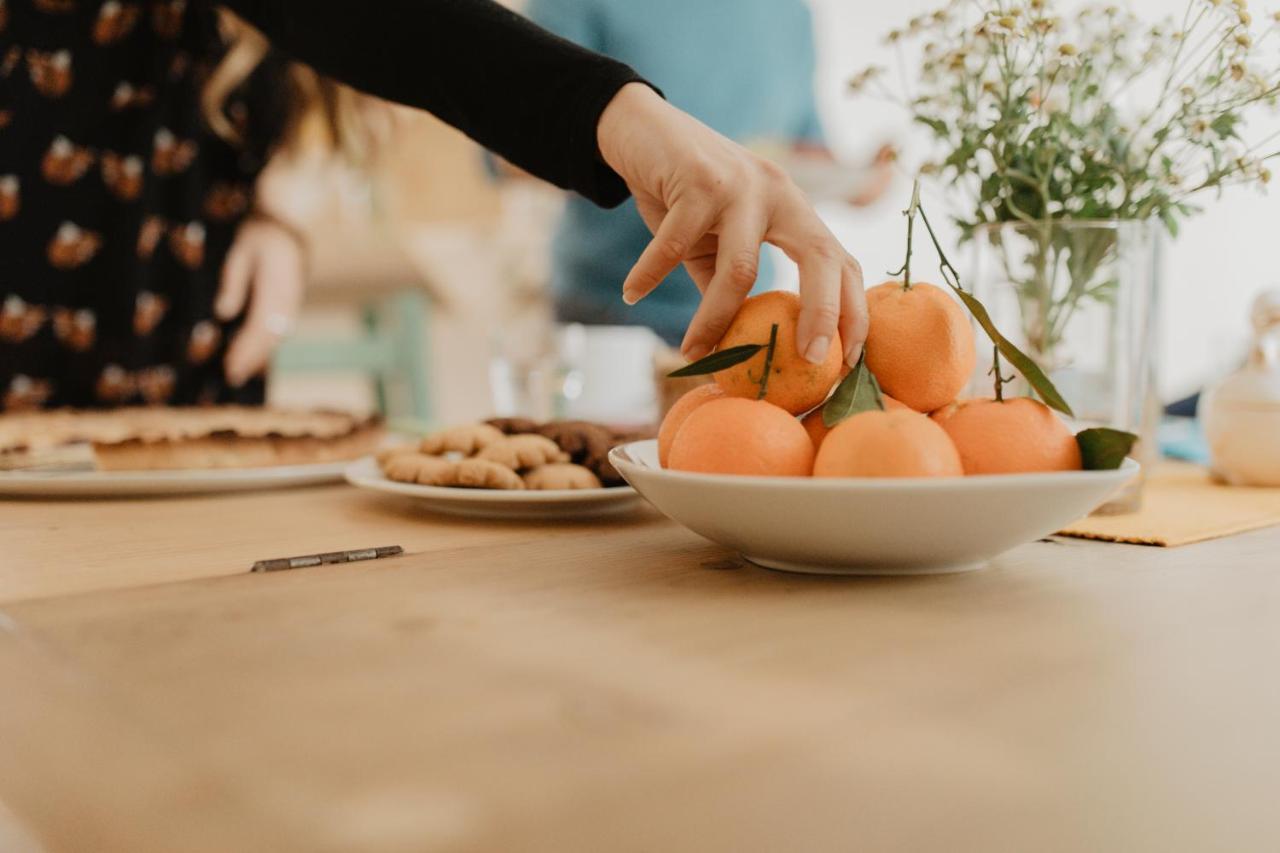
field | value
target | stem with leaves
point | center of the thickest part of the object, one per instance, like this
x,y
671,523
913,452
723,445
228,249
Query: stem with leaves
x,y
949,274
733,356
998,376
768,361
1030,371
910,213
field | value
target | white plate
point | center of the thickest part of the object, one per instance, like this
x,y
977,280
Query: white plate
x,y
497,503
124,484
868,526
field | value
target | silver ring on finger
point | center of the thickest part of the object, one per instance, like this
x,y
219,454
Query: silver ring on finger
x,y
278,324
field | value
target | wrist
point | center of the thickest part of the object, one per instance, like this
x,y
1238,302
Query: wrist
x,y
261,216
617,120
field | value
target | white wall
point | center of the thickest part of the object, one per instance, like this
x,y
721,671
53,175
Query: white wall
x,y
1221,259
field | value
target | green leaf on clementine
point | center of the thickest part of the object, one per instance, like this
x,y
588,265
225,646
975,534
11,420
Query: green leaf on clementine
x,y
1103,448
717,361
857,392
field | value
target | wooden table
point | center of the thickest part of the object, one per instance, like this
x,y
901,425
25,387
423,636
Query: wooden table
x,y
621,685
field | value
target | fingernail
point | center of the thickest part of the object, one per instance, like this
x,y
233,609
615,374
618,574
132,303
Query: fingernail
x,y
693,352
851,357
817,351
629,297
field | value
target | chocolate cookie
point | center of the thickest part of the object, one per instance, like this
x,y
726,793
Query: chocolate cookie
x,y
513,426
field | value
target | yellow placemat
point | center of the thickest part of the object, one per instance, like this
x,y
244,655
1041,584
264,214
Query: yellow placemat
x,y
1181,505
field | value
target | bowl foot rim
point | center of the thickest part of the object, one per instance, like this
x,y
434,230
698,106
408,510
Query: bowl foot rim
x,y
862,570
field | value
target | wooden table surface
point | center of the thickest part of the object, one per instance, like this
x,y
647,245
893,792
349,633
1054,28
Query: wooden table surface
x,y
619,685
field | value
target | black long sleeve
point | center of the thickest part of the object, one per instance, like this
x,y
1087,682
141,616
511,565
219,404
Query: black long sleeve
x,y
511,86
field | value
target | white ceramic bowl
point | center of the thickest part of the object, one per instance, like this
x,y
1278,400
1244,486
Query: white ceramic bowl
x,y
868,526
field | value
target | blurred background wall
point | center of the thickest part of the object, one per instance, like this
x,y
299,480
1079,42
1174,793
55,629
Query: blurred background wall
x,y
1220,260
433,219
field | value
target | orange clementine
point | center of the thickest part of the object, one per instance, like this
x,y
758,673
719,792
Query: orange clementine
x,y
919,345
1018,434
817,430
737,436
814,426
689,401
901,443
794,383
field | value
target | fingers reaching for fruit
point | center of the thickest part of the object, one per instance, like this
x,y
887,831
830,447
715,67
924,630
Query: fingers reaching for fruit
x,y
770,412
711,204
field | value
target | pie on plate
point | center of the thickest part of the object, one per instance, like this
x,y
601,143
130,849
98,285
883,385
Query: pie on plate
x,y
170,439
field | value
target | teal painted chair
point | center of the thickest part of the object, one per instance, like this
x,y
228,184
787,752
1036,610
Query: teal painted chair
x,y
392,352
368,271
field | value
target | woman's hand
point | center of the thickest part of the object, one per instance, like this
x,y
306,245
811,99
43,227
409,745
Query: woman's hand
x,y
265,267
710,204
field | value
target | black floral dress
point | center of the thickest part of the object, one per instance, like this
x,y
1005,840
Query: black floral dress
x,y
117,203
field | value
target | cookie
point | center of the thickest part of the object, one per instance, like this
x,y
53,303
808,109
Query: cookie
x,y
518,452
587,445
513,426
467,440
484,474
421,469
582,440
608,475
386,454
604,469
561,475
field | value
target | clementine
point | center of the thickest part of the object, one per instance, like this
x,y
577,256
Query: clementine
x,y
901,443
1016,435
920,344
795,384
737,436
682,408
818,430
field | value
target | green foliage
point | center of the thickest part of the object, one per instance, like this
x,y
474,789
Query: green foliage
x,y
718,360
1029,109
1103,448
857,392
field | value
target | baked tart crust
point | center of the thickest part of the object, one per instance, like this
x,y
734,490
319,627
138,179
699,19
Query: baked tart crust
x,y
153,439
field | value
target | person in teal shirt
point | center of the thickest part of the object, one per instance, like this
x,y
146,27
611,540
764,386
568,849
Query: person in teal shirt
x,y
743,67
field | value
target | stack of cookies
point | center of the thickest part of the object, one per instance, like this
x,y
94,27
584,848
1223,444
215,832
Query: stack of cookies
x,y
509,453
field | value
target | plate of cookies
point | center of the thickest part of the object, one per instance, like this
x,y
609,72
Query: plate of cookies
x,y
505,468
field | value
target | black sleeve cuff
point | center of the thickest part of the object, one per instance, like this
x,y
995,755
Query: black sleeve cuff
x,y
590,175
513,87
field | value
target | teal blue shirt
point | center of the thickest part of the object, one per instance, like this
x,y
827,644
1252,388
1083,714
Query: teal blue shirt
x,y
743,67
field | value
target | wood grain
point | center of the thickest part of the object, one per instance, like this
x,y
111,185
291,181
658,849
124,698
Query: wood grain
x,y
628,686
57,547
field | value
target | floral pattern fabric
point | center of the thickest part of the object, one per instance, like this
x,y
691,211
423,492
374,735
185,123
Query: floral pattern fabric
x,y
117,203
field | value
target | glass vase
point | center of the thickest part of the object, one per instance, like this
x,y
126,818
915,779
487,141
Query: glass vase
x,y
1079,298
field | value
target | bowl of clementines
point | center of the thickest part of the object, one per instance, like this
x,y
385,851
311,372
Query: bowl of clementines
x,y
881,468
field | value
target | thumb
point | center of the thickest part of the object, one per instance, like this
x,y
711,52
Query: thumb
x,y
233,287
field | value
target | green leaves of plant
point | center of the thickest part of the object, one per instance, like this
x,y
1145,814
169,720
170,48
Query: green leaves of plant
x,y
937,125
717,361
857,392
1021,362
1225,125
1103,448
